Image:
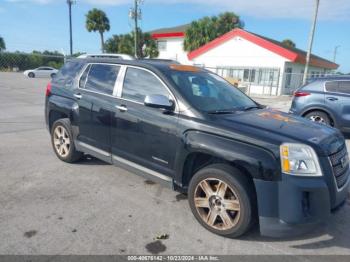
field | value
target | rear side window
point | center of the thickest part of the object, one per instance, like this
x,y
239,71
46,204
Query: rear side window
x,y
101,78
344,87
67,73
139,83
332,86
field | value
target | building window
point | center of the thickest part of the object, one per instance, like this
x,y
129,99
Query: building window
x,y
289,76
255,76
161,45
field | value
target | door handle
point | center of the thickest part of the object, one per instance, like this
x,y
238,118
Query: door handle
x,y
332,98
78,96
121,108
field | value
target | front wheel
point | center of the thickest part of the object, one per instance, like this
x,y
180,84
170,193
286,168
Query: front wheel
x,y
62,141
31,75
223,200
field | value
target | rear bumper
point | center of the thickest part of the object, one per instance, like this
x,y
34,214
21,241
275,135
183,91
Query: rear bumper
x,y
295,205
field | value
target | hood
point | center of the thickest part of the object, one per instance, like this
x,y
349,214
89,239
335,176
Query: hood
x,y
278,127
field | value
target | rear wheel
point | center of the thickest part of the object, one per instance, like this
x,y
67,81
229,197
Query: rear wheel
x,y
53,75
222,200
62,141
31,75
319,117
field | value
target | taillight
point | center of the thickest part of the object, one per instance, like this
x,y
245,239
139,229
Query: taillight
x,y
301,93
48,89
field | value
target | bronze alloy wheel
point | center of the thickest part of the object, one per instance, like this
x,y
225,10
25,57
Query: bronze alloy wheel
x,y
217,204
61,141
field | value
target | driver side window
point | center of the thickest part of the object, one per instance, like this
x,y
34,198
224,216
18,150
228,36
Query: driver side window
x,y
139,83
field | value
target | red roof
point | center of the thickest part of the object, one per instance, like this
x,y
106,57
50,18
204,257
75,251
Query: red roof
x,y
292,54
167,35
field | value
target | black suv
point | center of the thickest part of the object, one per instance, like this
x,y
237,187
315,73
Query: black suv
x,y
191,130
325,100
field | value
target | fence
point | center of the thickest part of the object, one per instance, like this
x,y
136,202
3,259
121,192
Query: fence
x,y
264,81
17,61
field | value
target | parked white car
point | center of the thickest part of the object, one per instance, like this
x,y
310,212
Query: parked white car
x,y
43,71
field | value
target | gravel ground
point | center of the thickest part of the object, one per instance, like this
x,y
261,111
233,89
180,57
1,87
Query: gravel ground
x,y
50,207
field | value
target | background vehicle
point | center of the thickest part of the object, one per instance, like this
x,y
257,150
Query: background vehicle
x,y
189,129
43,71
326,101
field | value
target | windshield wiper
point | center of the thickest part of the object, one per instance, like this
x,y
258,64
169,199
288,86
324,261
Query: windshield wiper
x,y
251,107
217,112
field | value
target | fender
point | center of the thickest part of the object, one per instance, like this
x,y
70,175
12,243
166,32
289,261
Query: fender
x,y
259,162
66,106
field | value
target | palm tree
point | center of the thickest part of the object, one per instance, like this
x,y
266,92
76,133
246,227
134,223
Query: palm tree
x,y
97,20
2,44
288,43
207,29
124,43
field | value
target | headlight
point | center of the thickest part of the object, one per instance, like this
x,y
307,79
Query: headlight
x,y
299,160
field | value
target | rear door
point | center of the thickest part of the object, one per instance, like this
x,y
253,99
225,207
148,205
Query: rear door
x,y
144,137
96,105
338,101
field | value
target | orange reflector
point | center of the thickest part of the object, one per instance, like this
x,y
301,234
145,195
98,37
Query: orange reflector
x,y
286,165
186,68
285,151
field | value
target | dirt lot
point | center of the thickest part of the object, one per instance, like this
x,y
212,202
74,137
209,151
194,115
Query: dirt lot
x,y
50,207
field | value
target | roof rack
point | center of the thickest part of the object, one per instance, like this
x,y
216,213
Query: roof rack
x,y
107,55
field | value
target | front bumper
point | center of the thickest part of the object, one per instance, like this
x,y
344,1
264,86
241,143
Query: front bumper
x,y
295,205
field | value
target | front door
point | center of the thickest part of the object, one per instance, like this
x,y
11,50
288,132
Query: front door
x,y
141,135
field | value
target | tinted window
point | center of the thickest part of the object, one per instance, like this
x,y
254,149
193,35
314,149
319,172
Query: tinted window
x,y
83,77
102,78
344,87
332,86
139,83
68,72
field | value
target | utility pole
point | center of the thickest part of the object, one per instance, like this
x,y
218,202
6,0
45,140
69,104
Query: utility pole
x,y
311,40
335,53
135,14
70,3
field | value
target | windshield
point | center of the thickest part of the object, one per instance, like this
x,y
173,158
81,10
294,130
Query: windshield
x,y
210,93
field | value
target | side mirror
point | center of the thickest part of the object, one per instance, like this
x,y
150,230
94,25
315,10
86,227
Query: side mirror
x,y
159,101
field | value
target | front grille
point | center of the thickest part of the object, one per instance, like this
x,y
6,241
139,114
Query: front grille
x,y
340,170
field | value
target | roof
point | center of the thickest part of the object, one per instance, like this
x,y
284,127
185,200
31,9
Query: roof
x,y
292,54
331,77
152,64
177,31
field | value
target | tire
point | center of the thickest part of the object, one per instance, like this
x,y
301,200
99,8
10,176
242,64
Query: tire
x,y
53,75
238,206
31,75
319,117
62,141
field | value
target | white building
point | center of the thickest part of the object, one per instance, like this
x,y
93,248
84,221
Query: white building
x,y
262,65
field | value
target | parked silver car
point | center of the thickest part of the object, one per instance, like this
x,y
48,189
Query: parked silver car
x,y
43,71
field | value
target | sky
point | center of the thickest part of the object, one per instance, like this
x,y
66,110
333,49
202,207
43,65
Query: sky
x,y
28,25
